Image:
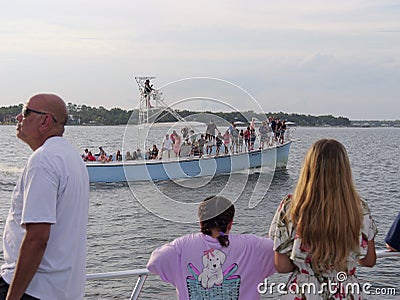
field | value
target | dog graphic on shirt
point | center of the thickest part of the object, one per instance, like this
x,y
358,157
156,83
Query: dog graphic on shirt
x,y
212,268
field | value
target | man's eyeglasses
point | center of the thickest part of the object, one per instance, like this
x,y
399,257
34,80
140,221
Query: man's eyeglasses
x,y
26,111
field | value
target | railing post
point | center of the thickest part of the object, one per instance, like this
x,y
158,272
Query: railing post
x,y
138,287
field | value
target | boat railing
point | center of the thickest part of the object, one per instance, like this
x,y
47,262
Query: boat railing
x,y
143,273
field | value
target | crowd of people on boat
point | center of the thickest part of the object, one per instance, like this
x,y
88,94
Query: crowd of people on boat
x,y
102,156
212,142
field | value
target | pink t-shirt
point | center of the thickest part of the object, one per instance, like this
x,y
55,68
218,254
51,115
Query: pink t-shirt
x,y
199,267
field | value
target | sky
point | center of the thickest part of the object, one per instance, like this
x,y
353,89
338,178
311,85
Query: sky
x,y
308,57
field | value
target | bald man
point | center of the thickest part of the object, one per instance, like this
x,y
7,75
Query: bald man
x,y
44,241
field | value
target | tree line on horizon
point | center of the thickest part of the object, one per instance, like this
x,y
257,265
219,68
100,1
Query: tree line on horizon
x,y
88,115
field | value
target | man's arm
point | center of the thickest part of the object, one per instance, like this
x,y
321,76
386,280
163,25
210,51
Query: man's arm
x,y
29,258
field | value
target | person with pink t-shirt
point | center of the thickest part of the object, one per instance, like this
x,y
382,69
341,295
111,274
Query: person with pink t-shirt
x,y
214,261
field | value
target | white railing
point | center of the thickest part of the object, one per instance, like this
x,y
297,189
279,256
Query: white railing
x,y
143,273
386,253
140,273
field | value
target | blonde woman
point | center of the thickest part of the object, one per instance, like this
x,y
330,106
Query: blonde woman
x,y
324,229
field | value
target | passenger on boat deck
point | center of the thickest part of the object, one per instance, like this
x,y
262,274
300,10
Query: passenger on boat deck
x,y
282,132
218,142
177,145
135,155
226,138
90,157
147,92
210,130
246,135
253,124
317,247
264,134
278,130
192,136
234,135
166,146
241,139
273,128
101,151
195,149
147,154
128,155
154,152
209,146
214,260
185,132
109,158
102,158
139,154
253,137
393,236
118,156
44,239
85,154
201,142
173,136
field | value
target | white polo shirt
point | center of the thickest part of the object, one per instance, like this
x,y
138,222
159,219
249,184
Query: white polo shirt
x,y
53,188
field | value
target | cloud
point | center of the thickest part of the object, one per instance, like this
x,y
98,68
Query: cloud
x,y
304,56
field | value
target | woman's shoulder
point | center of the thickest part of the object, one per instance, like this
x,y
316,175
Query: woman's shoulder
x,y
285,203
369,228
365,207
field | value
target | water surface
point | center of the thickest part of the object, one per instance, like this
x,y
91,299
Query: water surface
x,y
122,233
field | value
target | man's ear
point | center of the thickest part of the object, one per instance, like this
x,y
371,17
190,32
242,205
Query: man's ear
x,y
46,122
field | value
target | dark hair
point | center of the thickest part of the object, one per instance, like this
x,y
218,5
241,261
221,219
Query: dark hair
x,y
216,212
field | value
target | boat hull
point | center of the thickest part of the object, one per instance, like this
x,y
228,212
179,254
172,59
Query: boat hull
x,y
152,170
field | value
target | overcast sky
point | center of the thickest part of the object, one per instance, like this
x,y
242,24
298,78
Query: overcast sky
x,y
309,57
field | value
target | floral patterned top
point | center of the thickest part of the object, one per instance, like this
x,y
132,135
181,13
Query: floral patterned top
x,y
304,283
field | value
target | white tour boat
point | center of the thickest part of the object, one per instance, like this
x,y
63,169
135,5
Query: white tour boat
x,y
185,166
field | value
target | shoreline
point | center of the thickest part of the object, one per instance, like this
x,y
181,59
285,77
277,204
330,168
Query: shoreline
x,y
362,124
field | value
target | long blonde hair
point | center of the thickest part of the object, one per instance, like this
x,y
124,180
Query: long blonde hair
x,y
326,208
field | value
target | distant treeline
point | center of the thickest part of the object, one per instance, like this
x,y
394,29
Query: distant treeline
x,y
87,115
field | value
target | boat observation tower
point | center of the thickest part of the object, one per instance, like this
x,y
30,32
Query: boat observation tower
x,y
151,103
152,107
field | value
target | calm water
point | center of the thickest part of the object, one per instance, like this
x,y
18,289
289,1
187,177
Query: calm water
x,y
122,234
